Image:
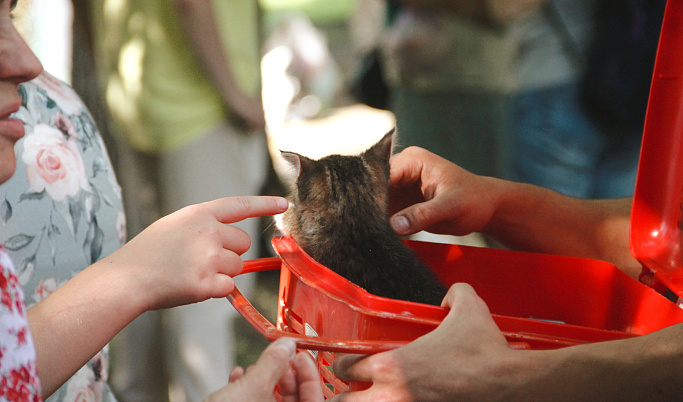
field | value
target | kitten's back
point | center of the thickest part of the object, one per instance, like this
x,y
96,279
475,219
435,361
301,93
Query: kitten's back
x,y
339,217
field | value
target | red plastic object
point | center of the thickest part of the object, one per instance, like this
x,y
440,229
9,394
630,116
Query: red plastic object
x,y
538,301
656,215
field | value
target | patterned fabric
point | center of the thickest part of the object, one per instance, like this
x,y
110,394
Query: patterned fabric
x,y
62,209
18,376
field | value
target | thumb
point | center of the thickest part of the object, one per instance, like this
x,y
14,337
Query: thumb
x,y
417,217
273,363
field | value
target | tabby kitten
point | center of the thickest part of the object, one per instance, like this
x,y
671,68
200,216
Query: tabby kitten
x,y
338,215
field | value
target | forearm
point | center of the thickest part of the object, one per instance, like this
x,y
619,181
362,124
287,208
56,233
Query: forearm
x,y
186,257
649,368
535,219
75,322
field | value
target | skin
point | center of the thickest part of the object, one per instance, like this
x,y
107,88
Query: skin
x,y
186,257
298,382
467,357
202,32
430,193
17,64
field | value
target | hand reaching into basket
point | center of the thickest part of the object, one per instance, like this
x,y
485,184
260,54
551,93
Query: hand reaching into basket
x,y
295,375
430,193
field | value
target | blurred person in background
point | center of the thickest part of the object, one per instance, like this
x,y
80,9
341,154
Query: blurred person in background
x,y
449,67
182,82
558,139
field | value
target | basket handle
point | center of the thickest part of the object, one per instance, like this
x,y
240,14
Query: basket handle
x,y
270,332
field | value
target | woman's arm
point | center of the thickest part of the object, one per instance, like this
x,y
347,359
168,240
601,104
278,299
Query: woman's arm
x,y
186,257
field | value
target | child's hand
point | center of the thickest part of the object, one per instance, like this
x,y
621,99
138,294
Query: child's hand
x,y
190,255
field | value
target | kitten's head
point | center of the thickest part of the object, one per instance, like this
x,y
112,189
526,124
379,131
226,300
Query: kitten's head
x,y
337,192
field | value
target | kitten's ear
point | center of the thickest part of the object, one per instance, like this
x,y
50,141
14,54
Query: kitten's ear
x,y
382,150
301,163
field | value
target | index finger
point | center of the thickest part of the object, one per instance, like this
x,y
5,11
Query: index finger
x,y
235,209
406,167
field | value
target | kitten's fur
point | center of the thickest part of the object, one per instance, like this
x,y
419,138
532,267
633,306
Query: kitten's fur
x,y
338,215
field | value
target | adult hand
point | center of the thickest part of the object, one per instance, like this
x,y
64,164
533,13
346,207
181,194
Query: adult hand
x,y
190,255
462,359
295,374
431,193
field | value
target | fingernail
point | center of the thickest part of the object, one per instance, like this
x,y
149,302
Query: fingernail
x,y
282,203
286,344
400,224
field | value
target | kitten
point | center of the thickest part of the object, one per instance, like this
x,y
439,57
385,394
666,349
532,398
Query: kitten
x,y
338,215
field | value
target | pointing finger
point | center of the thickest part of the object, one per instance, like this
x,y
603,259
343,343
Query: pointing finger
x,y
235,209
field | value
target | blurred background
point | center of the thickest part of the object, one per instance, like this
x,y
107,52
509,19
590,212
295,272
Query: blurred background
x,y
498,87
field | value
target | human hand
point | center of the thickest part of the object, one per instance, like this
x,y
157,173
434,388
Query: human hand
x,y
431,193
190,255
247,113
295,374
462,359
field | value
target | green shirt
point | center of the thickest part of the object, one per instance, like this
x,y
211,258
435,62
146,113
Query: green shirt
x,y
157,91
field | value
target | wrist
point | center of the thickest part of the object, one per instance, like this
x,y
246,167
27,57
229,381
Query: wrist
x,y
502,196
125,283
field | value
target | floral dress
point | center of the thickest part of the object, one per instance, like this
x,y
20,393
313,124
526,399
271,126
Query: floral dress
x,y
62,209
18,376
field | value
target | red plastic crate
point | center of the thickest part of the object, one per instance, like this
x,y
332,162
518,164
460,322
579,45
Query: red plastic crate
x,y
539,301
586,301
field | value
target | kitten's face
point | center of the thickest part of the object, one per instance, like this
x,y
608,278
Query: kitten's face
x,y
336,190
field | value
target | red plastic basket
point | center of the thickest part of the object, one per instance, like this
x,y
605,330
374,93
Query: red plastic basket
x,y
538,301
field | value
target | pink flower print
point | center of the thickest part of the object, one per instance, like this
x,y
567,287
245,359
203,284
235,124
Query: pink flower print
x,y
121,226
80,389
62,94
53,163
64,124
44,288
